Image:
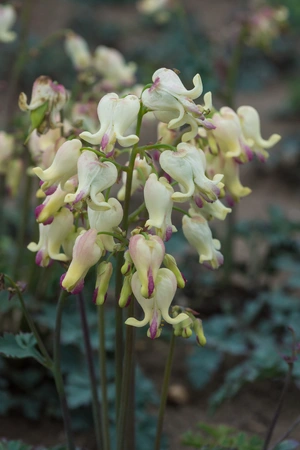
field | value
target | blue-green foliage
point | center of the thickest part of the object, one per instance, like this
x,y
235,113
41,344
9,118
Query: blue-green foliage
x,y
253,329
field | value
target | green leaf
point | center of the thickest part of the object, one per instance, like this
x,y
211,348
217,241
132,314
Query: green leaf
x,y
202,364
37,115
14,445
20,346
289,444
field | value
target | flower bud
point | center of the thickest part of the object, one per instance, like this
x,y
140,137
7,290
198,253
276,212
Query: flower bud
x,y
127,266
104,273
78,51
126,292
7,19
170,263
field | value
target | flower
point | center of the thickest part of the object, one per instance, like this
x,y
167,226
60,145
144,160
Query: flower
x,y
77,49
210,210
106,221
199,236
86,253
115,116
7,143
43,148
45,212
157,307
51,238
93,178
7,19
110,63
250,123
47,99
147,255
172,103
229,136
159,204
63,167
187,166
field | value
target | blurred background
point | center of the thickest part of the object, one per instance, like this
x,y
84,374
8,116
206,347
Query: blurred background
x,y
250,308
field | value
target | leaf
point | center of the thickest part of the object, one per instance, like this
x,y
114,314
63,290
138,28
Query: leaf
x,y
202,364
14,445
289,444
37,115
20,346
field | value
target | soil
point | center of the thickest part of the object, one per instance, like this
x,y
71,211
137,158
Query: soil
x,y
252,409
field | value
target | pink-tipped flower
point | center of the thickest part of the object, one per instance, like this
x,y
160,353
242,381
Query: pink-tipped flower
x,y
187,166
116,115
93,178
250,123
63,167
47,100
197,232
51,239
157,307
158,200
86,253
147,256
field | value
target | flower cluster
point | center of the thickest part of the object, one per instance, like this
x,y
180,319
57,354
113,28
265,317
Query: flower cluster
x,y
193,166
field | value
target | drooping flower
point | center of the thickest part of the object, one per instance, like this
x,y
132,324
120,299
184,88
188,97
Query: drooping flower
x,y
7,19
47,99
115,116
86,253
229,136
158,200
110,63
147,255
197,232
187,166
78,51
51,239
156,308
106,221
93,178
210,210
44,147
63,167
45,212
250,123
172,103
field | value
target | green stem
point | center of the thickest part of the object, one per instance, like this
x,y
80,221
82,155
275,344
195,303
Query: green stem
x,y
181,210
164,393
135,213
116,236
124,422
91,368
279,406
287,433
57,372
102,361
119,344
157,147
43,350
25,210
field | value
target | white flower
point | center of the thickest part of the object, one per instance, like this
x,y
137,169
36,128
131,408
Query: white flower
x,y
77,49
63,167
147,256
157,307
140,174
7,19
197,232
115,116
106,220
110,63
187,166
93,178
7,143
159,203
250,123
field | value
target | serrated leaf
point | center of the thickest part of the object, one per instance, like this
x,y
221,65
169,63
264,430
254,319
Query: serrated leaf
x,y
20,346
